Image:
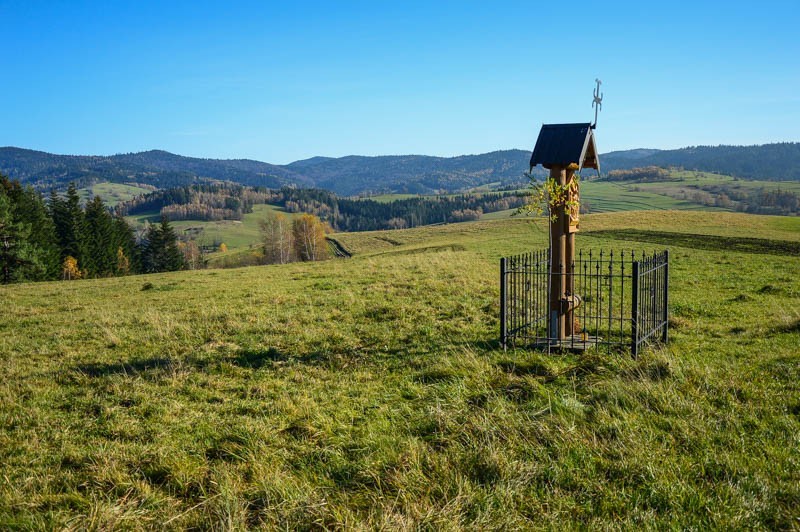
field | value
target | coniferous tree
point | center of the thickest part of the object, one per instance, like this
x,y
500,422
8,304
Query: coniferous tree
x,y
20,260
173,257
125,240
160,251
68,218
101,248
152,244
29,210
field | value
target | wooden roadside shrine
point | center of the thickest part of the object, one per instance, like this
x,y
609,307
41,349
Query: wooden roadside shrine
x,y
562,299
564,149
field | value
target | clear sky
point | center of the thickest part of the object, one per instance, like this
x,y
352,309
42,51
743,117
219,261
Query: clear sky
x,y
284,81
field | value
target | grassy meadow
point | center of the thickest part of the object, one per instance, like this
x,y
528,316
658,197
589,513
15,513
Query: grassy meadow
x,y
371,392
242,237
674,194
112,193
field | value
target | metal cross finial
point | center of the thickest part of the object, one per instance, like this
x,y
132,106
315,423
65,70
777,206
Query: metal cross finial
x,y
597,103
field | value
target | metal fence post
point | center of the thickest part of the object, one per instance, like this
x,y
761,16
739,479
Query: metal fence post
x,y
664,333
503,325
635,309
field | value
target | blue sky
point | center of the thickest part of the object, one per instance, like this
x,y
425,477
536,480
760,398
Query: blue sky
x,y
285,81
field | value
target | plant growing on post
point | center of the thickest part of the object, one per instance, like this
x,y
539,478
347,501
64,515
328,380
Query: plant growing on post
x,y
548,196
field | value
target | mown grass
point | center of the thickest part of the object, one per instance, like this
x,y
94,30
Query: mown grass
x,y
370,392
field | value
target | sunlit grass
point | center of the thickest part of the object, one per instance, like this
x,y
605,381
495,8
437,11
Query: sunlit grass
x,y
370,392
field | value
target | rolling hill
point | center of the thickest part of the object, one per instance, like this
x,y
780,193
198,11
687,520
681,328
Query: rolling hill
x,y
158,168
352,175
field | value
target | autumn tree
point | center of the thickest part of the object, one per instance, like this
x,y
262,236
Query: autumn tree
x,y
192,254
123,262
309,238
70,270
277,236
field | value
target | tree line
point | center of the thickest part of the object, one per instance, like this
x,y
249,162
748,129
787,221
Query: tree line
x,y
228,201
743,199
346,214
62,239
643,174
203,201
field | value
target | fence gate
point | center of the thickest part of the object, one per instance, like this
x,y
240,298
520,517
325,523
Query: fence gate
x,y
622,300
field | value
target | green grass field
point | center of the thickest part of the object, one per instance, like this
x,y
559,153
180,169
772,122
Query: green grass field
x,y
371,393
112,193
614,196
237,235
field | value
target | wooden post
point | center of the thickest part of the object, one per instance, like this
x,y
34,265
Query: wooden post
x,y
569,229
503,304
558,261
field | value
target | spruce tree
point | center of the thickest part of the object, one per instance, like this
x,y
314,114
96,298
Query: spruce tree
x,y
101,246
152,247
125,240
160,252
20,260
172,256
68,219
28,209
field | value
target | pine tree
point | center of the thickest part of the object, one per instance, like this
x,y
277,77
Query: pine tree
x,y
29,210
152,247
101,248
19,260
160,252
125,239
173,258
68,218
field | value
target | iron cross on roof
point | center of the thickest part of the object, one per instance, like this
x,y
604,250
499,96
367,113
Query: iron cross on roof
x,y
597,103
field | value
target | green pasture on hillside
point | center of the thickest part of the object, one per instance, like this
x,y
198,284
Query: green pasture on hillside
x,y
236,234
112,193
371,393
615,196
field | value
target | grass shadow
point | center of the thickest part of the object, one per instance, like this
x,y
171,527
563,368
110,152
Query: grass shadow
x,y
93,369
761,246
790,328
257,358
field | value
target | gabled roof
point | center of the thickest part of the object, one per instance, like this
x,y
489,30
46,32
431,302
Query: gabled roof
x,y
563,144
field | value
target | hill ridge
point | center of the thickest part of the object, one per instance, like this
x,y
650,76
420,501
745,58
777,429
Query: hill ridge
x,y
360,174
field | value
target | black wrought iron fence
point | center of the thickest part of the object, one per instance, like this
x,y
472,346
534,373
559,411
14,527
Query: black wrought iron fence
x,y
620,300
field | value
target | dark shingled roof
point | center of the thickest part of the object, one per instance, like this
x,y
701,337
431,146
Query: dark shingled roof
x,y
563,144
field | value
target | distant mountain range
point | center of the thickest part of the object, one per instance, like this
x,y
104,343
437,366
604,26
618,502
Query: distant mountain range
x,y
391,173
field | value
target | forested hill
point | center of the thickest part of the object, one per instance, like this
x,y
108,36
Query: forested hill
x,y
395,173
159,168
346,175
774,162
414,174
